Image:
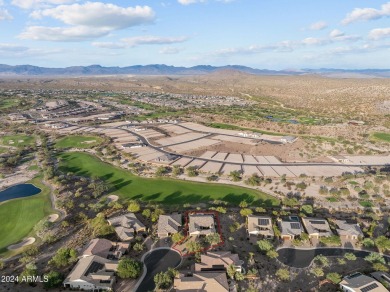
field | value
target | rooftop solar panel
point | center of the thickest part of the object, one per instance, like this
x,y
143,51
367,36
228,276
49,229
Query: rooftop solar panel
x,y
263,222
317,222
93,268
369,287
295,225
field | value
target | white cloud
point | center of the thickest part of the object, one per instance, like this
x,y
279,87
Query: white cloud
x,y
188,2
87,21
359,14
13,50
336,33
138,41
5,47
98,14
29,4
170,50
379,33
152,40
62,34
5,15
314,41
318,25
109,45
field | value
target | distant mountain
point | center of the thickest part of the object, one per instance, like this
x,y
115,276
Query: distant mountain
x,y
161,69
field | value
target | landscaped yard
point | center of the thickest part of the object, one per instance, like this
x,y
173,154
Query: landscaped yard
x,y
382,136
162,190
17,140
19,216
78,142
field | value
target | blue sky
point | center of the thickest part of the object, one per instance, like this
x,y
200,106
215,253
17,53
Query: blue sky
x,y
277,34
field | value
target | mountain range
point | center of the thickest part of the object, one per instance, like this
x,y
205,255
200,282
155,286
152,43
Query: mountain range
x,y
161,69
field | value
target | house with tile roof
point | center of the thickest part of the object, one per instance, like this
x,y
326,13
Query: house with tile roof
x,y
290,227
127,226
201,224
168,225
348,231
202,281
218,261
92,273
260,226
358,282
317,227
105,248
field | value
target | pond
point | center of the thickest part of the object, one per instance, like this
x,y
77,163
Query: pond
x,y
301,258
19,191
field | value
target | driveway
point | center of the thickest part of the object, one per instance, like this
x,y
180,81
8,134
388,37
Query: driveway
x,y
155,261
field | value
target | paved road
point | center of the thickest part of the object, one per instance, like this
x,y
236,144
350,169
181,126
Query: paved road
x,y
158,260
301,258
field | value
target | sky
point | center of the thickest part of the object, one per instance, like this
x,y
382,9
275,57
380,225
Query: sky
x,y
277,34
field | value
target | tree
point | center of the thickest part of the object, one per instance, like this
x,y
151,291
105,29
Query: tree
x,y
176,171
375,258
383,243
64,257
54,279
146,213
133,207
283,274
254,180
243,204
235,175
246,212
334,277
368,242
129,268
177,237
264,245
163,280
350,256
29,271
161,170
193,246
231,271
317,271
307,209
213,238
238,276
100,226
322,260
380,267
138,247
272,254
191,171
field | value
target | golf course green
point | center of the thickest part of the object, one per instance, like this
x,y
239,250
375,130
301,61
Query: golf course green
x,y
161,190
78,142
17,140
19,216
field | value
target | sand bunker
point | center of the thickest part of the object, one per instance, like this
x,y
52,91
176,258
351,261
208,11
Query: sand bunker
x,y
112,198
23,243
52,217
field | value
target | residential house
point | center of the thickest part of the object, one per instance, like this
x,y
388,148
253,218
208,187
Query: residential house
x,y
382,277
201,224
290,227
260,226
317,227
92,273
127,226
168,225
105,248
218,261
358,282
348,231
202,281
